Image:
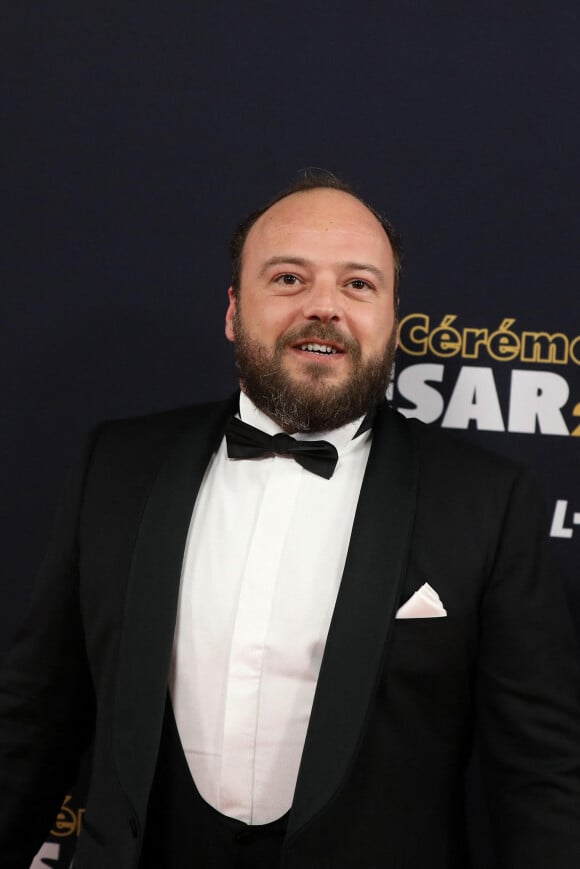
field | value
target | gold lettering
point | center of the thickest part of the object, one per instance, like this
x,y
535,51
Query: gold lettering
x,y
445,340
542,347
416,338
576,412
504,345
68,822
413,334
472,341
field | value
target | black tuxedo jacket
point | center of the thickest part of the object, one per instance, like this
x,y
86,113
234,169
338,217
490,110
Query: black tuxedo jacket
x,y
397,702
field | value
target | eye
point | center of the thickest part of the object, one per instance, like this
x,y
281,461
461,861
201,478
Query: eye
x,y
360,284
287,280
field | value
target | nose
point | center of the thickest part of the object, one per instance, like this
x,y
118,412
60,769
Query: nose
x,y
323,301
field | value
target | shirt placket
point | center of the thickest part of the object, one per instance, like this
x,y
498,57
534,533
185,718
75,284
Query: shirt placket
x,y
248,649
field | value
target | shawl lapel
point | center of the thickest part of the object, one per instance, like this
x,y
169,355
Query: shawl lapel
x,y
151,603
362,618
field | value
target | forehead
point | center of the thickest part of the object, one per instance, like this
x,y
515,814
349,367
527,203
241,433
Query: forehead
x,y
325,221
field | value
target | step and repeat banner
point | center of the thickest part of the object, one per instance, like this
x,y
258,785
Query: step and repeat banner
x,y
502,378
137,136
512,384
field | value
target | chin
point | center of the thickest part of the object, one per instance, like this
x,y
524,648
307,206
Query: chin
x,y
312,373
316,384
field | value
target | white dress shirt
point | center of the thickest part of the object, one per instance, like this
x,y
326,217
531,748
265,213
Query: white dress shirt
x,y
263,562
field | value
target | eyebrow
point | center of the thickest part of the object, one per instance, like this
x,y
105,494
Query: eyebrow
x,y
300,261
366,267
284,260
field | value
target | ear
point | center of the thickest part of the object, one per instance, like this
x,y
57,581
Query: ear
x,y
230,314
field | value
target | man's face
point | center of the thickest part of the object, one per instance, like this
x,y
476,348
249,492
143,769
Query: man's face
x,y
314,321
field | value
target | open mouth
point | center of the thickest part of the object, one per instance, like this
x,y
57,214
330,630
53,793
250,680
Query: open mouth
x,y
319,348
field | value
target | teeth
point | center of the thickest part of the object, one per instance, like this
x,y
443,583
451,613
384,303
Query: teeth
x,y
318,348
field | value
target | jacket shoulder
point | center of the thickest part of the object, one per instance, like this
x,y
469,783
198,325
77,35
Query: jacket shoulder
x,y
152,432
172,421
452,452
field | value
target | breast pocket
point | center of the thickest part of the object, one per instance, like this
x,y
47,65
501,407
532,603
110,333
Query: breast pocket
x,y
430,647
428,677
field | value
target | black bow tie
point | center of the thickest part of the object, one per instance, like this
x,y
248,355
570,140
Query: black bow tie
x,y
246,442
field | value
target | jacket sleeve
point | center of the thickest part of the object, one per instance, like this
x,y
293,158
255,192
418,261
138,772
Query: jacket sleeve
x,y
529,698
47,703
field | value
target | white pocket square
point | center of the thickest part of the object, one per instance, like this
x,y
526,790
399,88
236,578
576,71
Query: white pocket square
x,y
424,604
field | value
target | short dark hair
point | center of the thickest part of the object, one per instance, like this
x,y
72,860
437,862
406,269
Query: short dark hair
x,y
311,179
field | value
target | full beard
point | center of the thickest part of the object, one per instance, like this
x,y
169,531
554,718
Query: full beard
x,y
311,405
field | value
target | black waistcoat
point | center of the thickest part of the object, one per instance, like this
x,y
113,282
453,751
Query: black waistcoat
x,y
182,830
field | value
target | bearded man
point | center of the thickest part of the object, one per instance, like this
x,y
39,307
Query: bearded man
x,y
282,619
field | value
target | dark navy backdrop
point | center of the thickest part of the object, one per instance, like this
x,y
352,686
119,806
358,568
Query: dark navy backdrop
x,y
136,134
